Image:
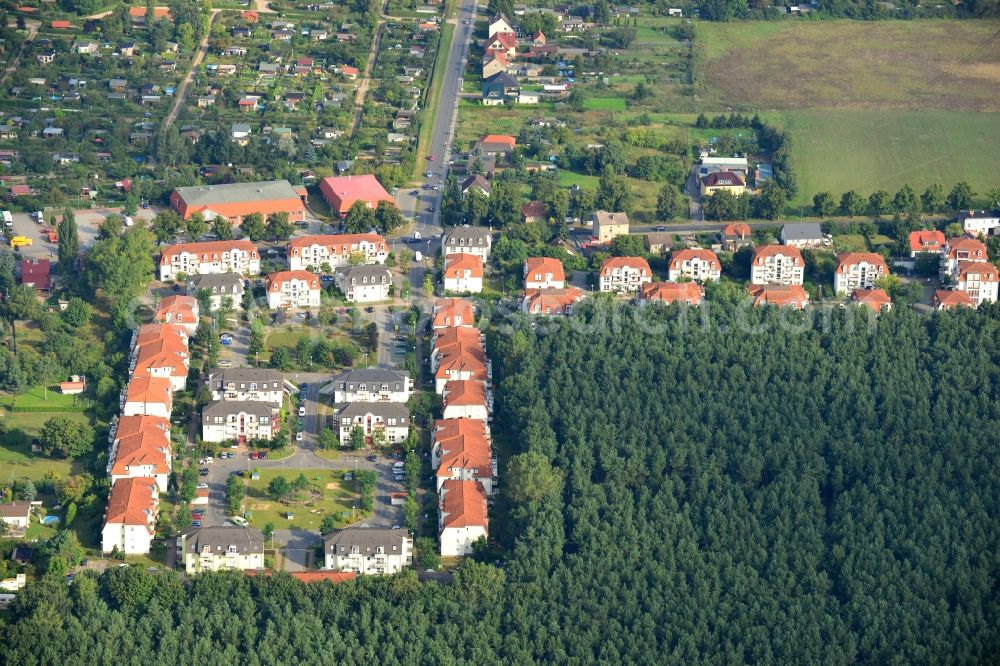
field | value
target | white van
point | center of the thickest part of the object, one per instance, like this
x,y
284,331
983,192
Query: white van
x,y
417,256
8,219
129,221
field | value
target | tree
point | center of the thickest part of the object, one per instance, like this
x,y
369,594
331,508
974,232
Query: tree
x,y
253,227
66,437
852,204
426,556
823,204
613,193
329,525
879,203
195,226
992,197
278,226
222,228
70,514
359,219
166,224
77,313
69,242
954,230
627,246
356,440
268,531
7,282
669,204
388,217
24,490
280,358
279,488
411,513
123,265
328,439
960,197
532,477
770,203
932,199
906,200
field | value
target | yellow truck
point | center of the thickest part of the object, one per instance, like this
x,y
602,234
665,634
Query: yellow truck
x,y
19,241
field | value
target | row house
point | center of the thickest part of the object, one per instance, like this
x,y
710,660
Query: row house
x,y
460,449
924,241
150,396
779,295
244,421
157,360
369,551
875,299
551,301
181,310
463,516
449,312
777,264
690,293
467,240
696,264
466,399
130,518
858,270
959,250
312,252
372,385
979,280
458,354
544,273
140,447
171,337
221,548
236,256
292,289
947,299
463,273
624,275
364,283
391,419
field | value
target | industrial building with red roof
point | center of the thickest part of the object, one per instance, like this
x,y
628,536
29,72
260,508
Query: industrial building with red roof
x,y
340,192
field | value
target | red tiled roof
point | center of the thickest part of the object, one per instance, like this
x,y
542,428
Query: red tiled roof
x,y
678,257
205,251
507,40
740,229
945,299
334,243
501,138
451,311
462,443
970,248
165,343
636,263
144,448
154,390
848,259
456,264
132,425
61,25
156,332
668,292
536,268
36,273
341,192
534,209
309,576
987,272
463,504
275,281
350,71
19,190
551,301
876,299
926,241
178,305
155,360
779,295
132,501
140,12
722,179
764,251
461,393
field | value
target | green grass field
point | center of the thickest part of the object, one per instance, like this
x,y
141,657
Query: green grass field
x,y
836,151
328,496
16,459
38,397
604,104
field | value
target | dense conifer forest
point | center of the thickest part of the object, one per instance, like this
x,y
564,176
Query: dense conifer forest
x,y
744,487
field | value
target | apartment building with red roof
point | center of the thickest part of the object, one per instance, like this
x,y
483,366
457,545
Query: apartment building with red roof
x,y
466,399
694,263
181,310
550,302
690,293
959,250
544,273
947,299
173,336
624,275
234,201
777,264
212,257
978,279
463,517
142,454
458,355
130,519
779,295
926,241
858,270
152,396
336,250
152,361
876,299
341,192
292,289
450,312
461,450
463,273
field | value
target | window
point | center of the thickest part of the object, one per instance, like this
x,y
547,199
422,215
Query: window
x,y
231,550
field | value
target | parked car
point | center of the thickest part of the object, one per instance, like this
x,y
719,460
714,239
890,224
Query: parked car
x,y
302,410
195,523
371,458
262,455
298,436
253,455
202,486
203,471
225,339
225,364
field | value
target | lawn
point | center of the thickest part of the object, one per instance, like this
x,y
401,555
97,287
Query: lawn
x,y
836,151
604,104
41,397
326,495
16,459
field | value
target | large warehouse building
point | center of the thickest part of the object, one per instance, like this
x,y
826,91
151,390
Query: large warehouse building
x,y
341,192
236,200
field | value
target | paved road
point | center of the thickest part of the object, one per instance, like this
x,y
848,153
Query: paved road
x,y
694,191
87,222
195,62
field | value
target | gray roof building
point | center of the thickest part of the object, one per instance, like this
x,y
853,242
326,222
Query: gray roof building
x,y
385,410
208,195
241,377
217,283
366,539
364,274
352,379
468,237
226,408
218,540
802,231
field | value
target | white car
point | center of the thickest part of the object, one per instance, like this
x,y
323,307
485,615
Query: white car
x,y
209,460
302,411
298,436
237,520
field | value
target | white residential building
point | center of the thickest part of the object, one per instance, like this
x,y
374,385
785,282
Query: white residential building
x,y
978,279
462,516
696,264
364,283
370,551
391,418
858,270
130,521
777,264
247,384
981,222
467,240
312,252
226,421
149,396
624,275
293,289
372,385
544,273
461,450
219,548
235,256
463,273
